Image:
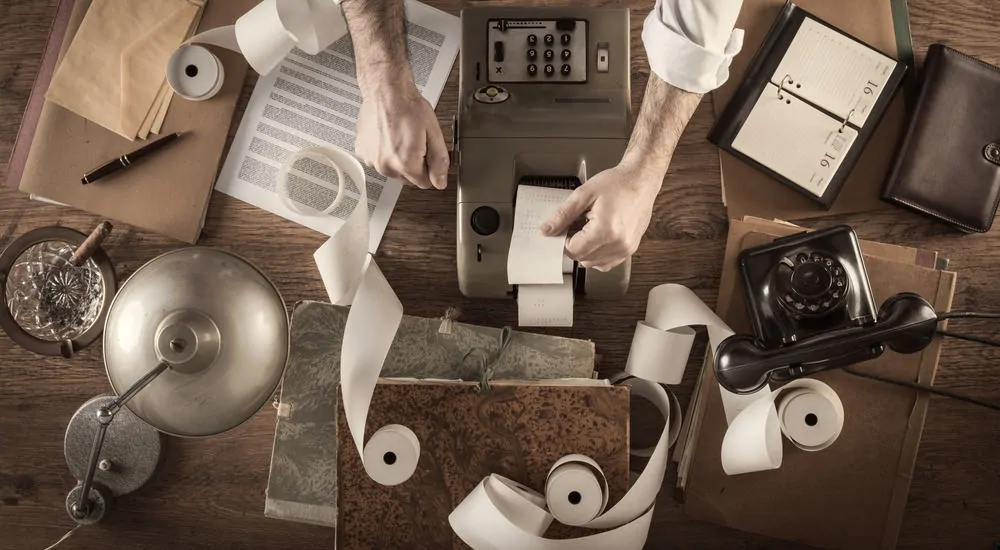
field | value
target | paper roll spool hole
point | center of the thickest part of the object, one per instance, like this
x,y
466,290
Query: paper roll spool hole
x,y
576,490
811,420
195,73
392,454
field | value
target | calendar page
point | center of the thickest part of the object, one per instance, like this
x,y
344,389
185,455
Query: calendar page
x,y
795,140
833,72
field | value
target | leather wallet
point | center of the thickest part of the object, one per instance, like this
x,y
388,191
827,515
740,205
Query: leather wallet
x,y
948,166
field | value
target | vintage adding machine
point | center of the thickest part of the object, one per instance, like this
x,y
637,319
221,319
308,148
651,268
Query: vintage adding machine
x,y
544,99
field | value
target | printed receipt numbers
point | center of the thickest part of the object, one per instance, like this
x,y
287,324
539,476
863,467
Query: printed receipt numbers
x,y
537,264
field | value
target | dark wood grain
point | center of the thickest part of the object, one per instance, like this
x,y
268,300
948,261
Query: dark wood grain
x,y
210,493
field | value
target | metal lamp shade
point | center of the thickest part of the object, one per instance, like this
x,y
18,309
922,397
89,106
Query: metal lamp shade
x,y
218,322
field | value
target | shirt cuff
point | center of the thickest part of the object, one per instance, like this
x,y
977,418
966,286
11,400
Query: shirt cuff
x,y
682,63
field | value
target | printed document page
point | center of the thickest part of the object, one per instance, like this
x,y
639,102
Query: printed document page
x,y
313,101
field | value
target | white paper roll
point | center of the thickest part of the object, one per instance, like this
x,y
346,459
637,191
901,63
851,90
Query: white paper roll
x,y
391,454
266,34
491,517
811,418
195,73
576,490
753,441
496,516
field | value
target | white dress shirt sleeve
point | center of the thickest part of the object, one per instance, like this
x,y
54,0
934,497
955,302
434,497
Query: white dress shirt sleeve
x,y
690,43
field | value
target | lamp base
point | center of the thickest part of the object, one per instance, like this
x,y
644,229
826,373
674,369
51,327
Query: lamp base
x,y
129,456
96,508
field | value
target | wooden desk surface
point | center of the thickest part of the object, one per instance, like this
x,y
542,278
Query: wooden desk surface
x,y
210,493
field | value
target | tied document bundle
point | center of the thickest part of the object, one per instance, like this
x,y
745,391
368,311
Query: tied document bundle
x,y
314,101
808,105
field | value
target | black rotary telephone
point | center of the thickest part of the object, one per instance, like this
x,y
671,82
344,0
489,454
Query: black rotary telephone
x,y
812,310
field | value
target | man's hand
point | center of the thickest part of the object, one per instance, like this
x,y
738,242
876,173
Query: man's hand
x,y
398,135
618,203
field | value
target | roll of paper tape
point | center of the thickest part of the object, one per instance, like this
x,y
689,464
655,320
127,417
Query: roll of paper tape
x,y
391,454
811,417
753,441
195,73
265,35
576,490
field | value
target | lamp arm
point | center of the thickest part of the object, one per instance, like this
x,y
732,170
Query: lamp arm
x,y
104,417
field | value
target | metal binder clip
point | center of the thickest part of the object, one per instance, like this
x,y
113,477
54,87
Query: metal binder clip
x,y
448,321
483,387
844,125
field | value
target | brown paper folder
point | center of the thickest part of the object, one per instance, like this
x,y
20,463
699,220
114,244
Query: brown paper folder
x,y
852,494
747,191
167,192
33,109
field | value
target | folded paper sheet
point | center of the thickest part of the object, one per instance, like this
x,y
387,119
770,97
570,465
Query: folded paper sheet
x,y
113,73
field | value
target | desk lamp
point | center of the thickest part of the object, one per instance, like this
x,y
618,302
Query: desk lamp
x,y
195,342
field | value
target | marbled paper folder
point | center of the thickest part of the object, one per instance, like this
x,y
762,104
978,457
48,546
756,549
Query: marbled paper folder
x,y
302,484
519,430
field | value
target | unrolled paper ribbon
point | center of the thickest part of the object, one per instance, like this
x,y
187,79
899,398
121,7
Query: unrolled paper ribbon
x,y
500,514
809,412
265,35
351,277
663,341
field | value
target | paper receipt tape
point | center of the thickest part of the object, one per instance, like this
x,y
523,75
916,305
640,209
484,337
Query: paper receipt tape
x,y
809,414
264,36
352,278
663,340
501,514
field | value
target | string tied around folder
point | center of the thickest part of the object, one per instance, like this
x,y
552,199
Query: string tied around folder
x,y
490,367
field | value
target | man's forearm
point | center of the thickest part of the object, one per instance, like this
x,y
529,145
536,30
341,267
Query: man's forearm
x,y
664,114
378,31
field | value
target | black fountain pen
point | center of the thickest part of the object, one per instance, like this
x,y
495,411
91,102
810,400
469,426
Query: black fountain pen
x,y
126,160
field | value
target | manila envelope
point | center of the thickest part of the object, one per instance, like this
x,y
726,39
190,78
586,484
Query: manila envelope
x,y
114,69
